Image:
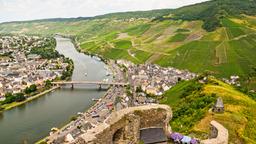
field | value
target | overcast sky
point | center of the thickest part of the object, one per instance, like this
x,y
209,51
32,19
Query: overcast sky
x,y
13,10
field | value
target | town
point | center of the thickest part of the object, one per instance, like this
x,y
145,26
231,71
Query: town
x,y
152,80
145,80
20,67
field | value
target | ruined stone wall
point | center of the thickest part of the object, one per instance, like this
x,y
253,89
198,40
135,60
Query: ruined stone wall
x,y
125,125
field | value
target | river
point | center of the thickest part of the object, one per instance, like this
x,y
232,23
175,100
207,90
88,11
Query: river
x,y
32,121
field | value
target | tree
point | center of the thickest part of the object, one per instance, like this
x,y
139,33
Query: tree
x,y
19,97
8,95
27,90
139,89
9,98
30,89
48,83
33,88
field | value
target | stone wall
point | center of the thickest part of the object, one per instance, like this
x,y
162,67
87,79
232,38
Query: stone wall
x,y
218,134
124,126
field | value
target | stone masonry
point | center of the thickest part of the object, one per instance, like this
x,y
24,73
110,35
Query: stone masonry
x,y
124,126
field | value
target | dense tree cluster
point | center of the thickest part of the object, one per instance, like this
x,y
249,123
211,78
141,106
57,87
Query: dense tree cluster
x,y
18,97
190,89
138,14
30,89
69,70
47,51
211,12
191,108
48,84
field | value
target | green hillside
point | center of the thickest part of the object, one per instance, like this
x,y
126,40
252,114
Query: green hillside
x,y
191,101
212,12
180,38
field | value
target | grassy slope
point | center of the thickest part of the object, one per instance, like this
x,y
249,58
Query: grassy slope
x,y
172,96
239,116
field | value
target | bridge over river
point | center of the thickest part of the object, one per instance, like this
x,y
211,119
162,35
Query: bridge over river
x,y
100,83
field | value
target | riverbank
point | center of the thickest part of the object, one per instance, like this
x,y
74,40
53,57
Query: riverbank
x,y
69,123
15,104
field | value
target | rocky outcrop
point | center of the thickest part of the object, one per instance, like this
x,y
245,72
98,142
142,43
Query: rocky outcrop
x,y
124,126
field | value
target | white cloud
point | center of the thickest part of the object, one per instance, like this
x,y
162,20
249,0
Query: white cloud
x,y
11,10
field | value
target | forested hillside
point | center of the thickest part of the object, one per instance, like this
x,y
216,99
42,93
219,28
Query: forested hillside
x,y
136,14
212,12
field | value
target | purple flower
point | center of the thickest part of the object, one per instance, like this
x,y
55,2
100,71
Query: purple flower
x,y
176,136
193,141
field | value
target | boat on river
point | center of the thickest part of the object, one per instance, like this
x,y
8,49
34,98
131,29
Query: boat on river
x,y
108,74
105,80
94,99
